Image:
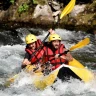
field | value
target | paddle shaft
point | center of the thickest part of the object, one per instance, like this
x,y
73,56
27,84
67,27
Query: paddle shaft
x,y
58,56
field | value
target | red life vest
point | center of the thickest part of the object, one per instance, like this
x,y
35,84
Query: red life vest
x,y
49,56
38,56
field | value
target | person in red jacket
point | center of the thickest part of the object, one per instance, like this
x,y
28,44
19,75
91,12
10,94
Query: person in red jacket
x,y
54,49
32,44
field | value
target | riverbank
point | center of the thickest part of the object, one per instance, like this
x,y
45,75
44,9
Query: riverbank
x,y
44,14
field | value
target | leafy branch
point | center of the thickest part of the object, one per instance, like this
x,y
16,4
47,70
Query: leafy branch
x,y
22,8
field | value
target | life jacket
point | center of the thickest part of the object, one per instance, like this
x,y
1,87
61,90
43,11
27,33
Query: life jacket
x,y
49,56
39,54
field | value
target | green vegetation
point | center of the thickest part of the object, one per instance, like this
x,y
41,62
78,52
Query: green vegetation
x,y
22,8
12,1
35,2
42,2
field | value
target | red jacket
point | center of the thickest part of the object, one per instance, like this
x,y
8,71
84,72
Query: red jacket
x,y
39,54
49,56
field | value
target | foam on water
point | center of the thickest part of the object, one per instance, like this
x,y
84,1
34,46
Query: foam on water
x,y
71,88
11,57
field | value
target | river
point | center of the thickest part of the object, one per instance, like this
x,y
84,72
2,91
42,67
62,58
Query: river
x,y
12,50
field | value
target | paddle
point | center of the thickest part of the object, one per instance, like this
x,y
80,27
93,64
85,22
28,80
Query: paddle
x,y
80,44
68,8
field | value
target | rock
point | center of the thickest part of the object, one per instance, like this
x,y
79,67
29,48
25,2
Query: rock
x,y
42,10
55,5
77,9
41,2
56,13
2,15
43,13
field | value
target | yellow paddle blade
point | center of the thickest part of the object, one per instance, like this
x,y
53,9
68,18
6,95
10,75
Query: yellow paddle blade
x,y
11,80
83,73
72,6
76,63
30,68
80,44
68,8
45,81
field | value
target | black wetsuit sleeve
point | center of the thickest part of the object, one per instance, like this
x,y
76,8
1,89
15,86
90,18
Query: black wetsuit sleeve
x,y
27,56
64,46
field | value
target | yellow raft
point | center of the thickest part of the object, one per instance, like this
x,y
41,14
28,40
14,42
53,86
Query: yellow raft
x,y
83,73
41,81
77,68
